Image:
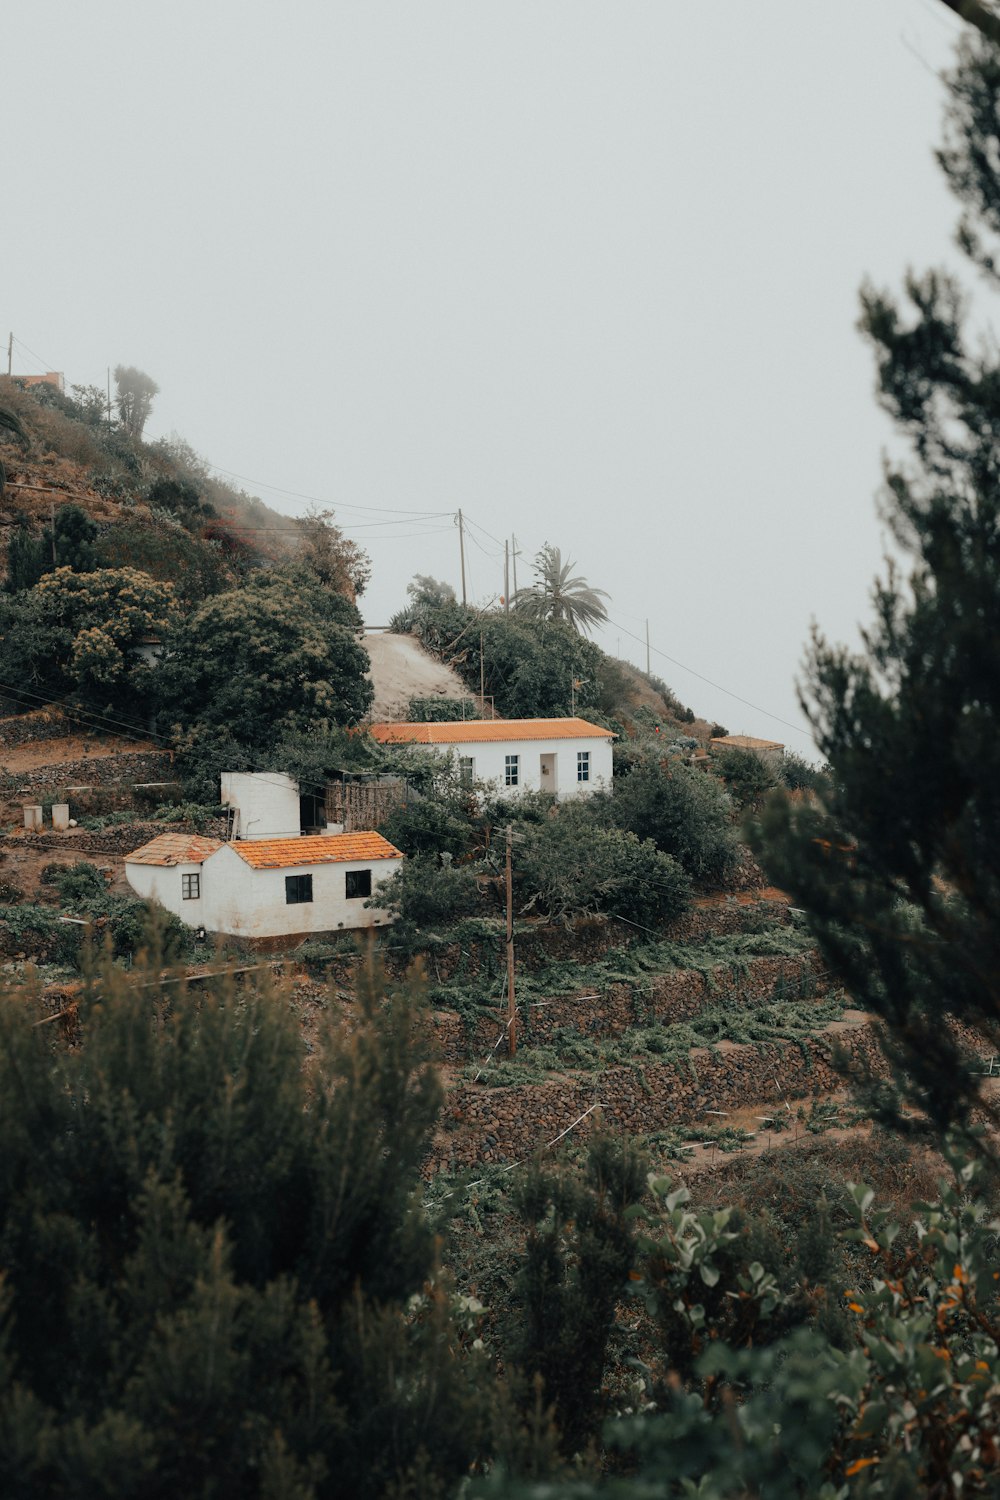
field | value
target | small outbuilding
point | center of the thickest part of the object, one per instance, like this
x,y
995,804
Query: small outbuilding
x,y
771,751
567,757
266,887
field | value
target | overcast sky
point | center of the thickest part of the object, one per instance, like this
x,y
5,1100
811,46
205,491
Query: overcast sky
x,y
587,270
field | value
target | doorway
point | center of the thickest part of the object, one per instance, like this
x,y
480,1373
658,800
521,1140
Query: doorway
x,y
548,780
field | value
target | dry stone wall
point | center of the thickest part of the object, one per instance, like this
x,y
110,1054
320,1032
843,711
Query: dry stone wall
x,y
667,998
482,1124
29,729
99,770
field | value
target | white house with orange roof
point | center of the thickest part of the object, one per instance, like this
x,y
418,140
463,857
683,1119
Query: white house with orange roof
x,y
567,757
266,887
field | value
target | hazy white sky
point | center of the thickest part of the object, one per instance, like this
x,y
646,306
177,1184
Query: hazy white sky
x,y
587,270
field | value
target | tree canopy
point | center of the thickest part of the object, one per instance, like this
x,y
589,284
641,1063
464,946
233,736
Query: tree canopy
x,y
277,655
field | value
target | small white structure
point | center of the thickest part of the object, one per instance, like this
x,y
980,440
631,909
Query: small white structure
x,y
266,888
567,757
265,803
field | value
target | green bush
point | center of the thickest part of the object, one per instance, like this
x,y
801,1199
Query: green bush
x,y
570,865
748,776
425,894
686,813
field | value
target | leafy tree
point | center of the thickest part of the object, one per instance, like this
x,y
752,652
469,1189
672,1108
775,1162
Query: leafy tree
x,y
167,552
265,660
899,864
570,865
427,896
181,499
686,813
74,636
216,1279
747,776
559,595
136,391
333,558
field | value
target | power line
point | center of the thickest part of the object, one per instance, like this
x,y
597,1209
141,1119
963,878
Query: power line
x,y
717,685
321,499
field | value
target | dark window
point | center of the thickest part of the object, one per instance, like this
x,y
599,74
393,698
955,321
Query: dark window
x,y
359,884
190,887
512,770
583,765
298,889
466,770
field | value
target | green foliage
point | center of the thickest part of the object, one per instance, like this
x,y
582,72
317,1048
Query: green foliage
x,y
425,894
135,393
441,710
167,552
331,558
70,544
559,596
897,865
260,662
577,1254
748,777
200,815
74,636
181,499
432,825
210,1282
684,812
570,865
800,775
25,558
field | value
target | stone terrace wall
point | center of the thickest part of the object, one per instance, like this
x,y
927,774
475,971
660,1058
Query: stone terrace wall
x,y
666,997
28,729
99,770
542,943
509,1124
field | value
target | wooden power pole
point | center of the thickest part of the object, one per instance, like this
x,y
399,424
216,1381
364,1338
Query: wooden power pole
x,y
461,551
511,1006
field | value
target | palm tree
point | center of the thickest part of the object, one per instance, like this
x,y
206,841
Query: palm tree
x,y
557,595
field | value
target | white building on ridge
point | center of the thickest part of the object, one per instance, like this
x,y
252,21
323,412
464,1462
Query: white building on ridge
x,y
567,757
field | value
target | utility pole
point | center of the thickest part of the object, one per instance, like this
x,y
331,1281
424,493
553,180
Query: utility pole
x,y
506,576
10,353
461,549
109,398
513,558
482,678
647,649
511,1007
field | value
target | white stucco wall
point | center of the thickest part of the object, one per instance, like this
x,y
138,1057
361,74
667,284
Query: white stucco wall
x,y
268,803
489,764
242,902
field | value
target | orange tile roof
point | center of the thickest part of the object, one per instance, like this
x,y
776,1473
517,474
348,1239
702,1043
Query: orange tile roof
x,y
174,849
315,849
746,742
481,731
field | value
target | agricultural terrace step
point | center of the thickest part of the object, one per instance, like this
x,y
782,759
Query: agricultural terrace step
x,y
539,943
482,1125
33,728
104,770
675,996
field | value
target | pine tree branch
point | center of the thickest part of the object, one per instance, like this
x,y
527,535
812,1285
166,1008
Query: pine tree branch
x,y
977,15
